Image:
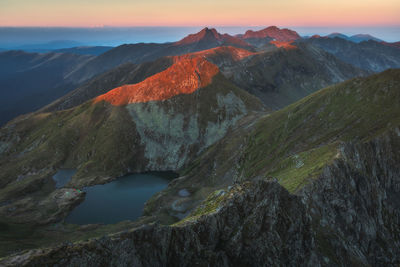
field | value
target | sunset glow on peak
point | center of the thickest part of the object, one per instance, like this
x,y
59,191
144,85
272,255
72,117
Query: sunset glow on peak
x,y
185,76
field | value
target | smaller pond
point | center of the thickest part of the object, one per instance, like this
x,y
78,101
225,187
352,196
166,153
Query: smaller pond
x,y
63,176
119,200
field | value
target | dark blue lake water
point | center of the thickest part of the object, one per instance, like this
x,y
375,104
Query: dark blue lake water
x,y
122,199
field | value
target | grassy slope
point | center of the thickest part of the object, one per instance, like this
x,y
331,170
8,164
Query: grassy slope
x,y
355,110
282,77
295,143
80,137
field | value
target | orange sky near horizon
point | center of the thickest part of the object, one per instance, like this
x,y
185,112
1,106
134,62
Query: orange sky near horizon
x,y
93,13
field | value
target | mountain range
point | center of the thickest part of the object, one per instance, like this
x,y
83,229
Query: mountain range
x,y
368,55
319,160
29,81
86,64
357,38
286,148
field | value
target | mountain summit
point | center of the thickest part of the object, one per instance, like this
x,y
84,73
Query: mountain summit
x,y
282,35
203,35
209,38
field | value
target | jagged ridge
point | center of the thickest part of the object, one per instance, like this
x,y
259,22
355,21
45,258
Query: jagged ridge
x,y
349,216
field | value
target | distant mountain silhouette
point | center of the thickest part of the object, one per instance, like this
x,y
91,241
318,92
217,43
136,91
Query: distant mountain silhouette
x,y
209,38
85,50
357,38
273,32
368,55
46,47
278,77
338,35
35,80
29,81
142,52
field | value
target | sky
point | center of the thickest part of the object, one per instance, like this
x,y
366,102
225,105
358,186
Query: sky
x,y
123,13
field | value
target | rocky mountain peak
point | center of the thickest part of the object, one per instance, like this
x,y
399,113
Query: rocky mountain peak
x,y
274,32
210,36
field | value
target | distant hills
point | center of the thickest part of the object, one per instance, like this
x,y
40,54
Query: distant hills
x,y
142,52
357,38
28,81
273,76
48,48
42,78
368,55
84,50
52,45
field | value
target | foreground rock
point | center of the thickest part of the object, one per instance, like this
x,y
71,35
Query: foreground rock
x,y
349,216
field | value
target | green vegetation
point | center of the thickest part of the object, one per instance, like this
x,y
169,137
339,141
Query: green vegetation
x,y
295,143
96,139
210,205
311,128
294,171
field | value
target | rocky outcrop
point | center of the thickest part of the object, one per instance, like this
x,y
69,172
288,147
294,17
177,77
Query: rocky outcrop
x,y
172,136
209,38
356,204
349,217
274,32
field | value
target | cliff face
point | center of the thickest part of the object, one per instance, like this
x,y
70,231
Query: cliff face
x,y
356,205
349,216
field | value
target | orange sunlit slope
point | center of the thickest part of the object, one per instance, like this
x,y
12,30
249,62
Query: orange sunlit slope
x,y
183,77
188,73
286,45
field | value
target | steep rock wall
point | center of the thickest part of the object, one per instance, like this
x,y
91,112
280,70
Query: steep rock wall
x,y
348,217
